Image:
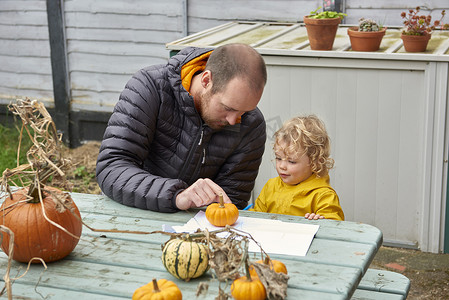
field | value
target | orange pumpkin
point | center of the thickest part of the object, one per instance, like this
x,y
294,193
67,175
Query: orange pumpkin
x,y
248,289
222,214
34,236
275,265
161,289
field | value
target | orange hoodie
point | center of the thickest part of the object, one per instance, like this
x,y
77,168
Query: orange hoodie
x,y
198,64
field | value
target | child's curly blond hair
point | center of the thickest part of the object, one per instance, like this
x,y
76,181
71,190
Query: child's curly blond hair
x,y
309,134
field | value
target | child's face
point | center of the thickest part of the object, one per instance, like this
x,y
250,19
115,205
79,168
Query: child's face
x,y
293,168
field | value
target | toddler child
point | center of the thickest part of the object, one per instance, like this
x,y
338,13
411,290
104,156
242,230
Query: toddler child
x,y
302,150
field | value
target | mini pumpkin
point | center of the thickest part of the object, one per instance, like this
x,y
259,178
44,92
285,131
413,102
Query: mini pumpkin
x,y
34,236
222,214
275,265
185,259
161,289
248,289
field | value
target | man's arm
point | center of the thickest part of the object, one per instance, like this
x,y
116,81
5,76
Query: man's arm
x,y
125,147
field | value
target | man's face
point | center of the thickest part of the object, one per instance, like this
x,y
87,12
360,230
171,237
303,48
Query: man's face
x,y
225,108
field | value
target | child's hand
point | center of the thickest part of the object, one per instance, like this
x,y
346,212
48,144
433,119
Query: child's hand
x,y
313,216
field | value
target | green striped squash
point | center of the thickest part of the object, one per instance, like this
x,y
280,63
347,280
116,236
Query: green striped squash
x,y
185,259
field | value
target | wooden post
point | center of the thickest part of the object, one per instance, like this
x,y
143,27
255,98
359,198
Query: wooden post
x,y
446,227
61,84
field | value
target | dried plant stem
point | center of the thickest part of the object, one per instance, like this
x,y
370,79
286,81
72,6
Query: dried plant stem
x,y
20,144
6,277
10,254
50,221
245,260
29,265
11,207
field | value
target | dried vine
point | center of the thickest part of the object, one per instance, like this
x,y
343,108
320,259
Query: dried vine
x,y
227,257
44,157
8,280
44,162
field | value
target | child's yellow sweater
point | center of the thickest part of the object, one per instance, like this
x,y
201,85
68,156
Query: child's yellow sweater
x,y
313,195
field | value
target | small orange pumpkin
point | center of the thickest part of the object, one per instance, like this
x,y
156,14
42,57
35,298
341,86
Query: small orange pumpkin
x,y
275,265
244,289
34,236
161,289
222,214
248,287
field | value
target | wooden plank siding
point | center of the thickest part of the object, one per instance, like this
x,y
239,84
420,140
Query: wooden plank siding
x,y
108,41
25,65
388,12
205,14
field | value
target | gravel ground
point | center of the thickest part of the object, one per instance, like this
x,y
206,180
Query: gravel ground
x,y
428,272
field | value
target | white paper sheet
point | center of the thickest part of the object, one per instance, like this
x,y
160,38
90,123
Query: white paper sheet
x,y
275,237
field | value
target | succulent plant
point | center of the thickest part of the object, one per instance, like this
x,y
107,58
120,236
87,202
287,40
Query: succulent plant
x,y
368,25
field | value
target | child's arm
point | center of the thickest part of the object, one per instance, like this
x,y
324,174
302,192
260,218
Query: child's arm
x,y
327,207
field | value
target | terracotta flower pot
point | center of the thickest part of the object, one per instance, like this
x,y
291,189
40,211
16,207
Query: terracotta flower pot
x,y
415,43
321,32
365,40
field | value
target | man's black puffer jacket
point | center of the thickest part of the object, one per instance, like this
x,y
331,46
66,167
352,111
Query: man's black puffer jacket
x,y
156,144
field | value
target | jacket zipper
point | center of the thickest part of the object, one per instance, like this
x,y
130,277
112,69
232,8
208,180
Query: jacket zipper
x,y
203,160
192,151
201,136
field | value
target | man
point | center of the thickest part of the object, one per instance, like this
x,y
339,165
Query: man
x,y
185,132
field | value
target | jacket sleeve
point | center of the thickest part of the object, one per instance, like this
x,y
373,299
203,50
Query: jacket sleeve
x,y
238,174
328,206
125,146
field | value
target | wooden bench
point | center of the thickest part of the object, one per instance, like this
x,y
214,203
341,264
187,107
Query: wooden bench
x,y
380,284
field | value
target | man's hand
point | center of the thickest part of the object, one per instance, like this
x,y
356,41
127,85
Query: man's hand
x,y
313,216
201,193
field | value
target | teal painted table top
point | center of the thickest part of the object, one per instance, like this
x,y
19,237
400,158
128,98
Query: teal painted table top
x,y
113,265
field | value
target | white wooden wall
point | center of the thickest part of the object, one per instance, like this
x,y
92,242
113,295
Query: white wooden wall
x,y
25,66
204,14
109,40
388,12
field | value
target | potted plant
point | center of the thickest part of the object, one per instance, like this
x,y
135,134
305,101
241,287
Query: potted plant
x,y
418,29
322,28
367,36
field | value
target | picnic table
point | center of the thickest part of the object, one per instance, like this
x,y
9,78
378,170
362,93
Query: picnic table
x,y
113,265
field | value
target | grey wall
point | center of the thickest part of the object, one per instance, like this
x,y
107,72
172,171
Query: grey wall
x,y
25,67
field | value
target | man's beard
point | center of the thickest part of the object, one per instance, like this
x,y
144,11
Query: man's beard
x,y
204,110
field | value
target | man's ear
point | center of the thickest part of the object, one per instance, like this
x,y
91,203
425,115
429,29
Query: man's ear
x,y
206,79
